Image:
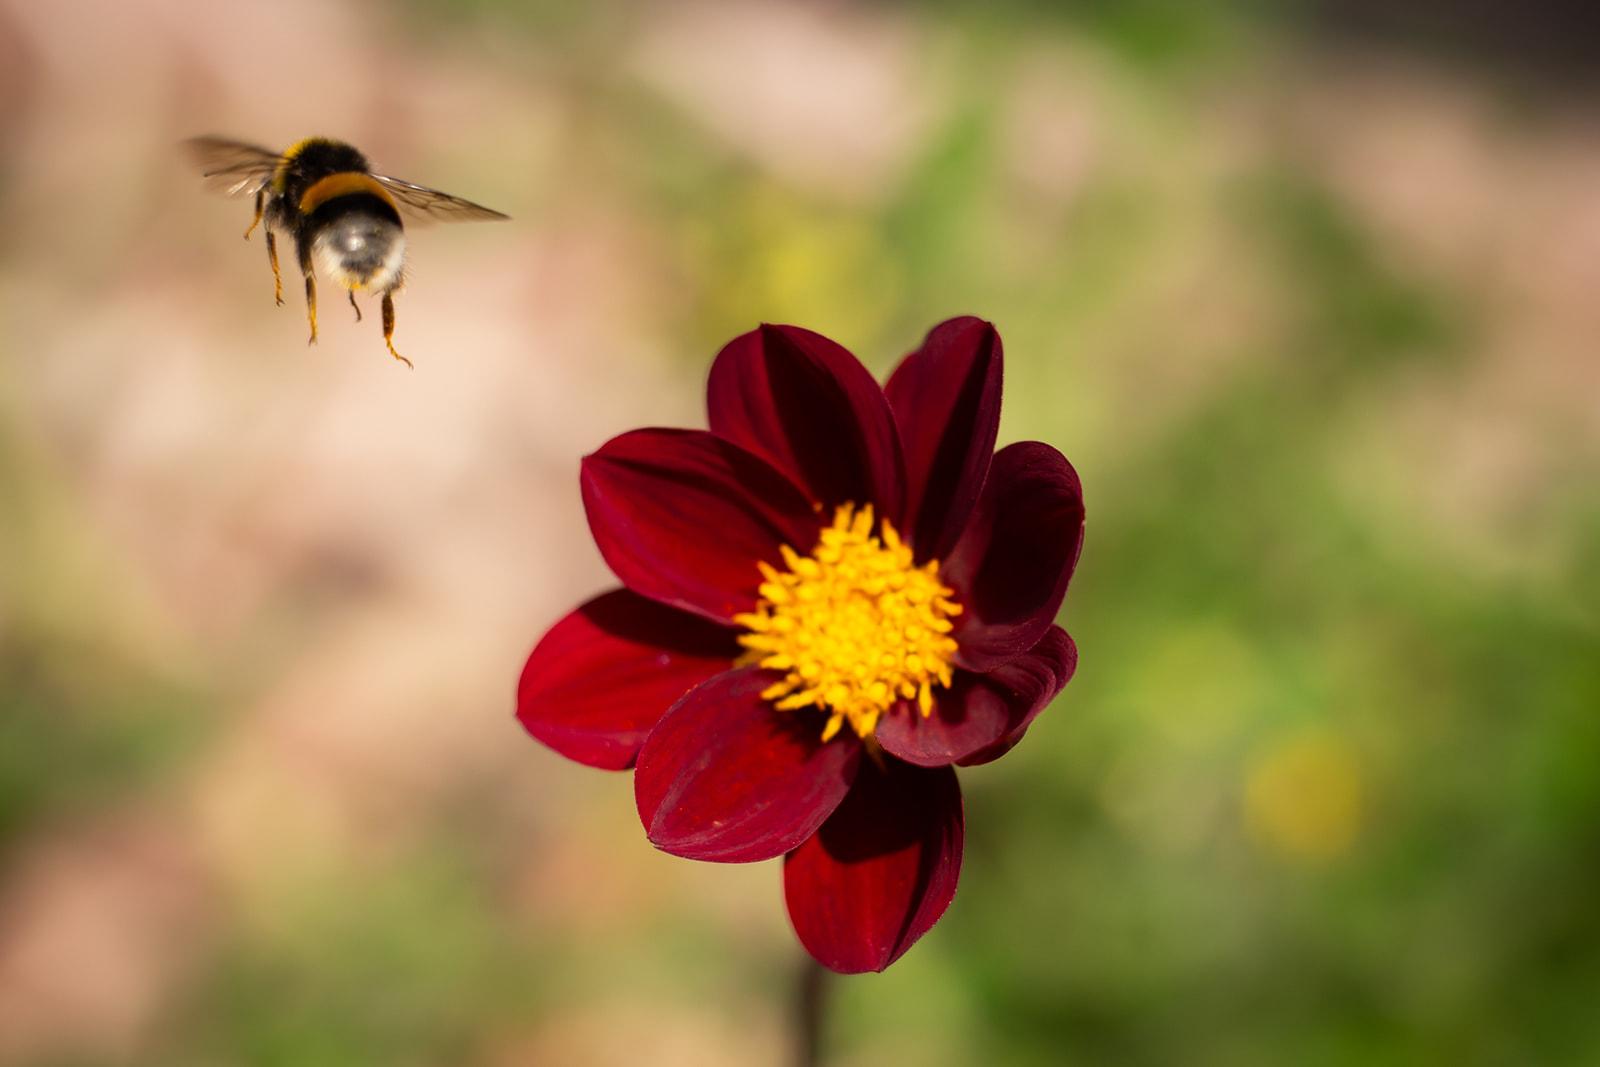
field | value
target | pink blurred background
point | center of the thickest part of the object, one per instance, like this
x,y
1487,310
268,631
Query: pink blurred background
x,y
294,585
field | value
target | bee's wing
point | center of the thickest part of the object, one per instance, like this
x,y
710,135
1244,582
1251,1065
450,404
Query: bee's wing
x,y
233,167
430,205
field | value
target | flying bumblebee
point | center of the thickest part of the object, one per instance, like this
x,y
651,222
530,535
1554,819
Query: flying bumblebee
x,y
345,220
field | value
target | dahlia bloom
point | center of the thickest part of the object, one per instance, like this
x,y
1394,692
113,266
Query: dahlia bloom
x,y
829,598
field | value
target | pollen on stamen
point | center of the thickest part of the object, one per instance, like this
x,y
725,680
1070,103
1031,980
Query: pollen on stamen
x,y
855,627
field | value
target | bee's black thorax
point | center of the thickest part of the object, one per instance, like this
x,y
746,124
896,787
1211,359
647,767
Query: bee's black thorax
x,y
310,161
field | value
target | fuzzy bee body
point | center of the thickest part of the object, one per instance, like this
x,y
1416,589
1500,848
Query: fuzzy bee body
x,y
357,240
345,220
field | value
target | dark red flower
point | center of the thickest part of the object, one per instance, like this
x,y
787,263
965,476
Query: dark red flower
x,y
830,597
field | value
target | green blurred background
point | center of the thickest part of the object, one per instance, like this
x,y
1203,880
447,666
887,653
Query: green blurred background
x,y
1307,292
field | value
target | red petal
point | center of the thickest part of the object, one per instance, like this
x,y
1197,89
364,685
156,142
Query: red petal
x,y
725,776
601,679
1010,568
682,516
881,871
810,408
946,402
1056,653
982,714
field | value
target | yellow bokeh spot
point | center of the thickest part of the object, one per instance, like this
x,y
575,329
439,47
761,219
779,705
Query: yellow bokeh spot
x,y
1304,797
855,627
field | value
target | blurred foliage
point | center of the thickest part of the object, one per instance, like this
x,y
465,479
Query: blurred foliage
x,y
1355,318
1154,34
84,719
401,965
72,739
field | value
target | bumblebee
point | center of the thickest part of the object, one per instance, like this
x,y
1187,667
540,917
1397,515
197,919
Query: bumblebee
x,y
345,220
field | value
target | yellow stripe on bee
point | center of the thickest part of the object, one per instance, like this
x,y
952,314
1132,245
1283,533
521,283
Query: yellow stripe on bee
x,y
343,184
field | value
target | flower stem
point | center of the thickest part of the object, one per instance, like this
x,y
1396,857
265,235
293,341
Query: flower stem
x,y
810,1005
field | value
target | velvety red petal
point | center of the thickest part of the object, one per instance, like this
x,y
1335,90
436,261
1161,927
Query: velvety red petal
x,y
682,516
1011,567
946,402
810,408
882,869
1056,655
982,712
726,776
601,679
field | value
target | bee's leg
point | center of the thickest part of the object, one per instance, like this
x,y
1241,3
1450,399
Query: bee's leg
x,y
311,307
351,293
388,327
272,257
311,287
261,203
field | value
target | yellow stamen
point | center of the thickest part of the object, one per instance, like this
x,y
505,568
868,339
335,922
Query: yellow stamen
x,y
856,626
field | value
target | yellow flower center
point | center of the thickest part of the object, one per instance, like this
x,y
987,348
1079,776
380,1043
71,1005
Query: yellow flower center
x,y
856,626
